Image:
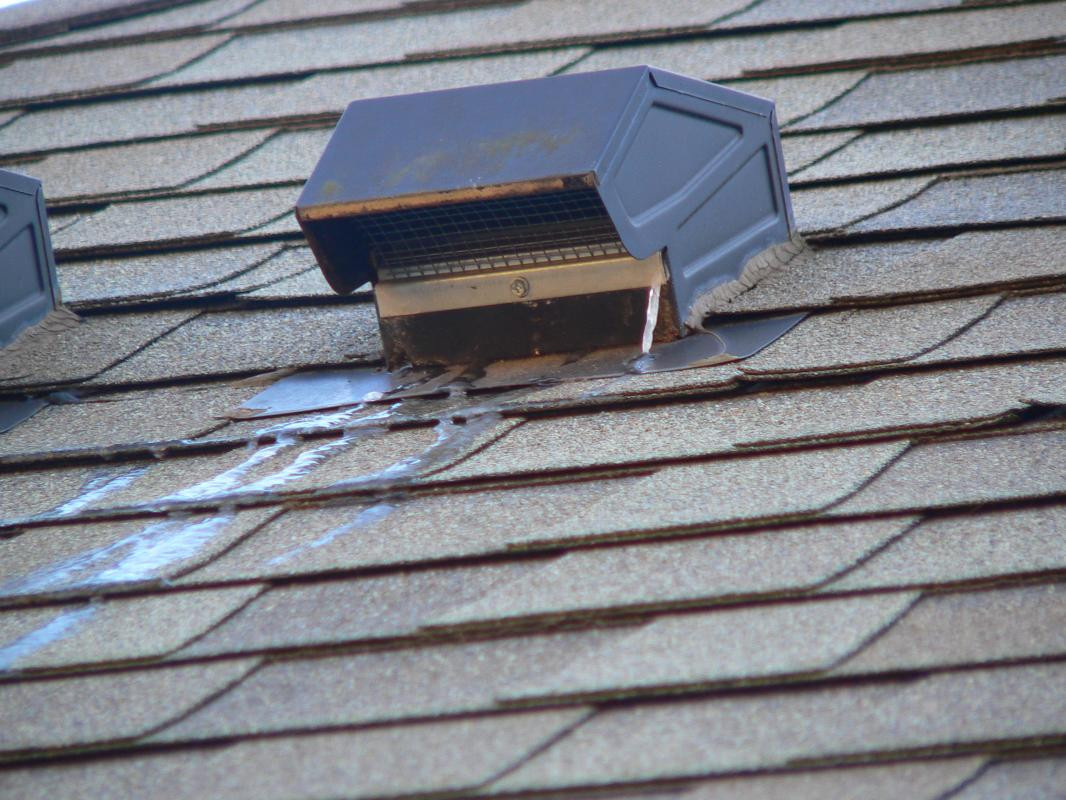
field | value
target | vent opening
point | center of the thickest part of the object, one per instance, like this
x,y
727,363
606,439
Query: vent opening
x,y
489,234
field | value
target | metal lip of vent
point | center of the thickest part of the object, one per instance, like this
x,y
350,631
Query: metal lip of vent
x,y
519,284
29,289
438,190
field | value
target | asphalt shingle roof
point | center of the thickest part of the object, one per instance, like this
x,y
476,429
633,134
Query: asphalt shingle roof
x,y
832,569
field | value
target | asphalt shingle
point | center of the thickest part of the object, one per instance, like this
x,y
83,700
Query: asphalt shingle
x,y
115,630
141,167
234,342
175,220
381,686
848,340
28,493
139,418
981,627
287,157
187,17
931,148
975,88
305,282
802,151
685,573
975,260
968,471
131,118
984,200
967,547
776,729
353,459
827,208
88,72
780,12
698,649
1040,779
324,94
93,709
88,348
401,531
928,779
346,44
840,550
330,92
680,430
84,557
733,490
112,281
887,40
1027,324
530,24
359,764
281,270
271,12
390,606
795,97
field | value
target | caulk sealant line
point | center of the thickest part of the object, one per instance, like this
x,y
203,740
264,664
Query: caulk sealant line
x,y
650,319
230,482
371,515
452,440
148,553
60,627
140,556
97,488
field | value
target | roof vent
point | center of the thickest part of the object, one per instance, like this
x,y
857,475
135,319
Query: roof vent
x,y
551,215
28,286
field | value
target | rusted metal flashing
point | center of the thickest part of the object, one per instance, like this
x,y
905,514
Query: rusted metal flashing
x,y
470,194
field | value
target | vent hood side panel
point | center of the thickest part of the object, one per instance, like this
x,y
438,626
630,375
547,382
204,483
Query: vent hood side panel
x,y
697,173
29,289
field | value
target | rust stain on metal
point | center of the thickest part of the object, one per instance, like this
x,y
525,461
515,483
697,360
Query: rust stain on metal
x,y
404,202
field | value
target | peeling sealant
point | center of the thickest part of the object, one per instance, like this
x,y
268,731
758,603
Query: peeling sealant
x,y
140,556
368,516
57,629
650,319
96,488
232,481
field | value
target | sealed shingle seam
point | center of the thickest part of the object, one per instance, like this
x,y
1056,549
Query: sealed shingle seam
x,y
143,702
70,81
1007,142
191,18
54,20
86,351
948,713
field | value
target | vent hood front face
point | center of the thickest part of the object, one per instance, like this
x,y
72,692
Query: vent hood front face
x,y
418,193
482,144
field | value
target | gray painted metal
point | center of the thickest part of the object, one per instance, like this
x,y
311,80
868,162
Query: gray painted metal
x,y
12,412
679,164
28,285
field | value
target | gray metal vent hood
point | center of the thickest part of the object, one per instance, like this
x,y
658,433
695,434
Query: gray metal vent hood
x,y
535,216
28,286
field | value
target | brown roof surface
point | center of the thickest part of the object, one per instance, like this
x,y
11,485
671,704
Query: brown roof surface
x,y
833,569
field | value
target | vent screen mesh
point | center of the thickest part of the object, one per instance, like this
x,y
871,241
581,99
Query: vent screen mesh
x,y
489,234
